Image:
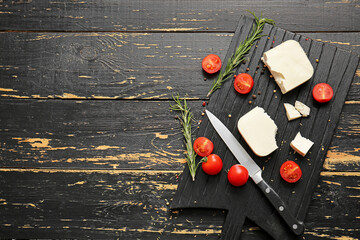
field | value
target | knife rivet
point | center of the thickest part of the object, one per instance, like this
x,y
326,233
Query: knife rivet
x,y
281,208
267,190
295,226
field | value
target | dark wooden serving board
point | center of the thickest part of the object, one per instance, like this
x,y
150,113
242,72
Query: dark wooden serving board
x,y
336,67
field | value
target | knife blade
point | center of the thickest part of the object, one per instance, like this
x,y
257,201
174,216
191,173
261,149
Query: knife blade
x,y
255,173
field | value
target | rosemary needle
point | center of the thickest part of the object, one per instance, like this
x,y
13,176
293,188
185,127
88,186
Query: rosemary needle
x,y
239,55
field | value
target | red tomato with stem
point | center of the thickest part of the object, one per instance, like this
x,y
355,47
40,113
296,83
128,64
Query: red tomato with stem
x,y
243,83
211,63
323,92
238,175
213,165
290,171
203,146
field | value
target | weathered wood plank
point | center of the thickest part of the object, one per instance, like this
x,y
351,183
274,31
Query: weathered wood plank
x,y
49,203
344,149
155,15
123,135
91,134
120,65
106,65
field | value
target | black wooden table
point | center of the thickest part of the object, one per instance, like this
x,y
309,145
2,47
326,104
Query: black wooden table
x,y
89,148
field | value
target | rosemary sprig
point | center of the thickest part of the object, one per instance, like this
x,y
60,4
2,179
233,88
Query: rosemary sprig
x,y
185,120
239,55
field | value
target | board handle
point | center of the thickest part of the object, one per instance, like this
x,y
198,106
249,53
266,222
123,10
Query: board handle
x,y
296,226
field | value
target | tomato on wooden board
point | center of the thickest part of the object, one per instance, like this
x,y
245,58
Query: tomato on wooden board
x,y
211,63
290,171
323,92
243,83
238,175
213,165
203,146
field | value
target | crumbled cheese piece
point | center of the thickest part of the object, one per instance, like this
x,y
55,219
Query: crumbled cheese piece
x,y
289,65
259,131
301,145
291,112
302,108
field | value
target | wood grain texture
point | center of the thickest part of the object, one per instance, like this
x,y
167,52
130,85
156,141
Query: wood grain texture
x,y
122,135
133,205
120,65
91,134
155,15
76,162
106,65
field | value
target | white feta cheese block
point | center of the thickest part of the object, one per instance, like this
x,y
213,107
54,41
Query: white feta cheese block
x,y
259,131
289,65
302,108
301,145
291,112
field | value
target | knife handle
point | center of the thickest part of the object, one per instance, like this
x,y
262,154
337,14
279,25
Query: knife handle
x,y
296,226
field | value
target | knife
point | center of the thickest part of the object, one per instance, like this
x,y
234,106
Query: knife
x,y
255,173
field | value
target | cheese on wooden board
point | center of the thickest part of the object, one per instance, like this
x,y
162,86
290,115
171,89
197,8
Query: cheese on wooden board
x,y
291,112
259,131
289,65
302,108
301,145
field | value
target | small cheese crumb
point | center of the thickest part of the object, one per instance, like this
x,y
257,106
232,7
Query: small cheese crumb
x,y
302,108
301,145
291,112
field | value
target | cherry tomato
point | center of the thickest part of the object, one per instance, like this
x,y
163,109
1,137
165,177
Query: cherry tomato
x,y
211,63
238,175
203,146
213,165
323,92
243,83
290,171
